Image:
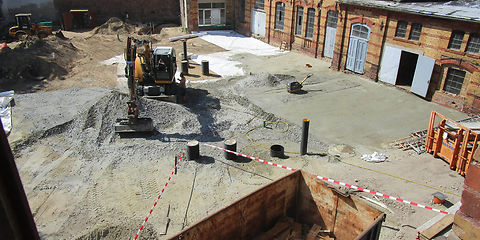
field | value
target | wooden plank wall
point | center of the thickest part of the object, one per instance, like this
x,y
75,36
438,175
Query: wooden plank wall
x,y
298,195
347,217
249,216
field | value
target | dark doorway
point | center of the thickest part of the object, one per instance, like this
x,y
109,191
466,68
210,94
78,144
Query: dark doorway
x,y
406,69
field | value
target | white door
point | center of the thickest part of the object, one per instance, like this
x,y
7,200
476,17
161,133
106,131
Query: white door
x,y
259,20
389,66
357,47
357,54
216,16
423,73
330,34
329,42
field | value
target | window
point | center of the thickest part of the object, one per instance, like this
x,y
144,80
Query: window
x,y
456,40
454,81
401,29
310,22
473,44
332,17
259,4
211,14
241,14
298,27
360,31
279,15
415,31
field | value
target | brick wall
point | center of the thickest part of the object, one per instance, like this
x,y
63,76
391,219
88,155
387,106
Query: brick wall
x,y
467,219
164,11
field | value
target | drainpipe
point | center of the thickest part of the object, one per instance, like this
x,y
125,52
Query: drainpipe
x,y
269,21
318,27
292,25
342,42
234,16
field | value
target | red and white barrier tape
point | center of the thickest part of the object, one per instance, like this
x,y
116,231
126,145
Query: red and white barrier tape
x,y
332,181
158,198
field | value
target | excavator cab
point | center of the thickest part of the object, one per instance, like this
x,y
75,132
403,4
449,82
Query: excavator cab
x,y
24,21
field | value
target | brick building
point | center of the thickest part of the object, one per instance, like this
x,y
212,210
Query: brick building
x,y
432,49
160,11
466,223
428,48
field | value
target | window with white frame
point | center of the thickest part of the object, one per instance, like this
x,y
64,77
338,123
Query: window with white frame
x,y
299,25
259,4
415,31
473,45
279,15
454,81
310,22
401,31
456,40
211,14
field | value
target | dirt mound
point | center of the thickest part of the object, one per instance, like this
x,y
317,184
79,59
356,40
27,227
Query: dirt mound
x,y
157,29
35,60
114,26
263,80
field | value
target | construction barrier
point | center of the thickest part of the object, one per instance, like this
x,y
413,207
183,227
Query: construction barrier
x,y
331,180
451,141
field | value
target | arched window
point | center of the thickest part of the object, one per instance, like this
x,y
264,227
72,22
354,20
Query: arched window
x,y
360,31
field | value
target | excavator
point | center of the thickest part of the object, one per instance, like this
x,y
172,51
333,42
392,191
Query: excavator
x,y
151,74
25,27
155,71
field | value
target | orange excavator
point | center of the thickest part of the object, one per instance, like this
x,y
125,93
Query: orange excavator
x,y
133,123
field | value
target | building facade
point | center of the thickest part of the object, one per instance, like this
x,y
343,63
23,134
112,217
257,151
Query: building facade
x,y
430,49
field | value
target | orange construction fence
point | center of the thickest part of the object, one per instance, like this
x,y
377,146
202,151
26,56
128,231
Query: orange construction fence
x,y
451,141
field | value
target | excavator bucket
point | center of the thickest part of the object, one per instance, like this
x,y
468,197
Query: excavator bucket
x,y
134,125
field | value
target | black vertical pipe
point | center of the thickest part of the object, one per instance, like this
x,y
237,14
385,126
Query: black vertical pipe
x,y
193,150
175,165
185,50
205,68
303,145
185,67
14,206
230,144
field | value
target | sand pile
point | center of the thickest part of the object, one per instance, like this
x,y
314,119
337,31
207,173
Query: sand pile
x,y
263,80
114,26
35,60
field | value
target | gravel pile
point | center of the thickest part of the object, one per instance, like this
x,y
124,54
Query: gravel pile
x,y
115,179
114,25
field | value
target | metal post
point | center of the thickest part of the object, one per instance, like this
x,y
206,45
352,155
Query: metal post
x,y
303,145
205,68
185,50
175,165
184,67
15,212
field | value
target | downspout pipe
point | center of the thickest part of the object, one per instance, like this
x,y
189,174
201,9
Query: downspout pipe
x,y
318,27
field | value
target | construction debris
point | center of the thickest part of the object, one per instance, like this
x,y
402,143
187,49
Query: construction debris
x,y
374,157
6,104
